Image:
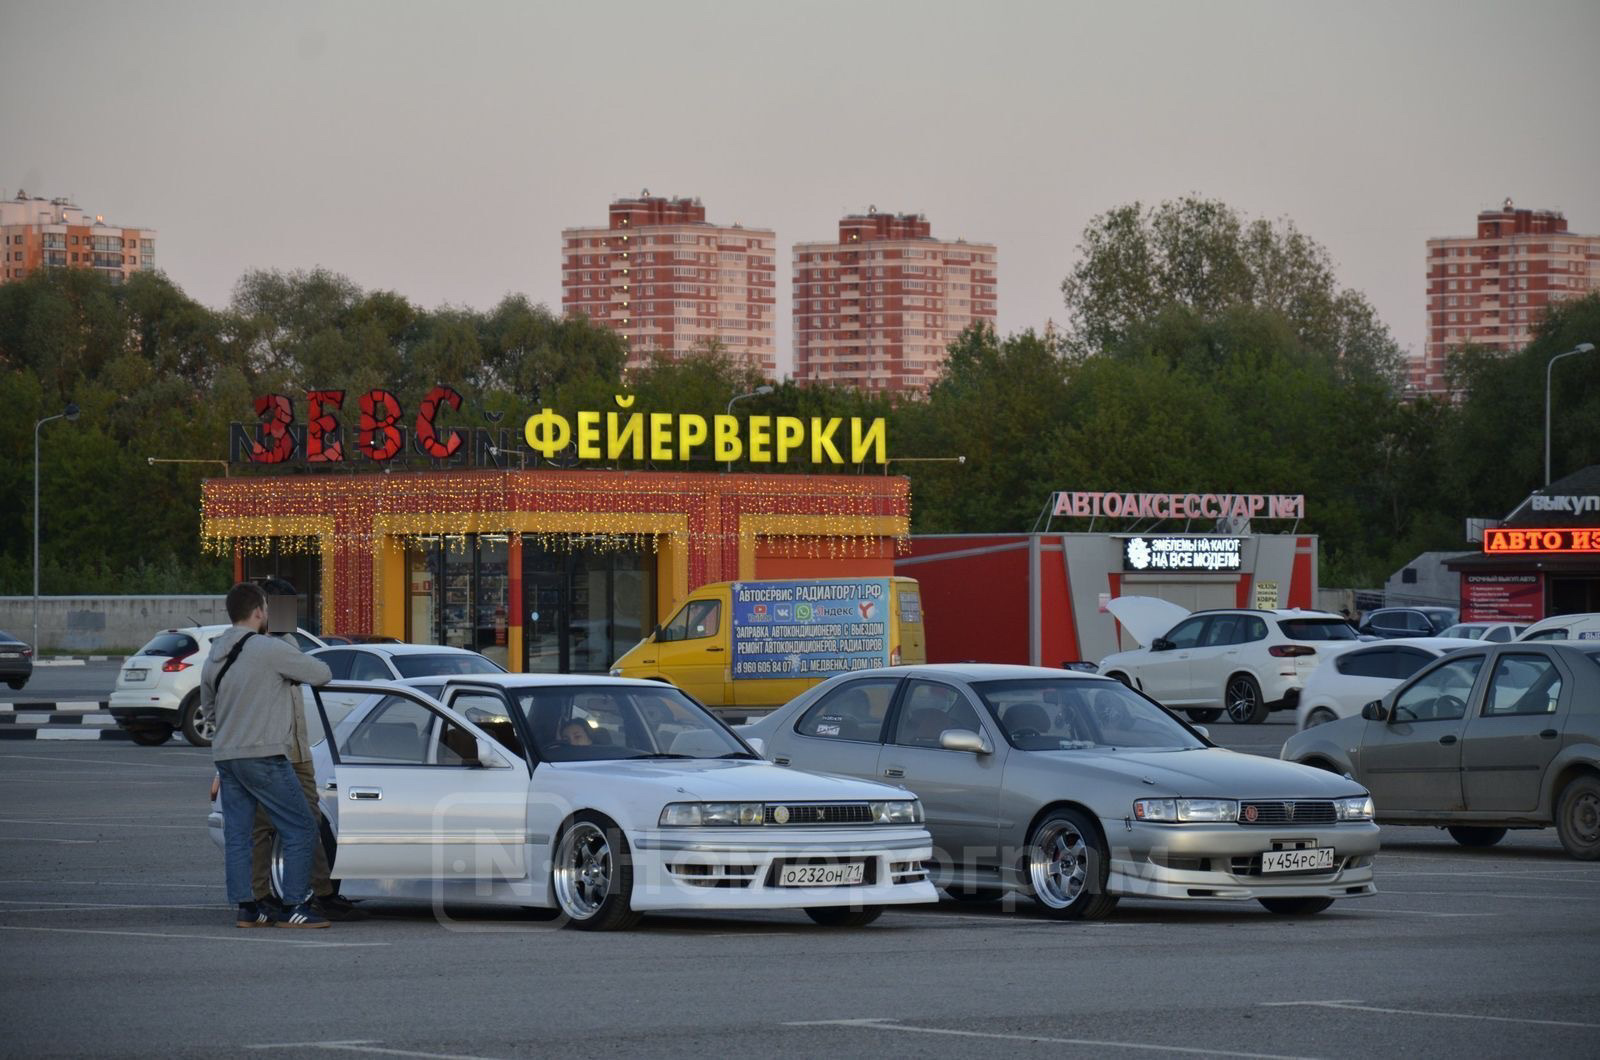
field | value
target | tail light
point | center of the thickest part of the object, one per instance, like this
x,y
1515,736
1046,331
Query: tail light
x,y
176,664
27,653
1290,651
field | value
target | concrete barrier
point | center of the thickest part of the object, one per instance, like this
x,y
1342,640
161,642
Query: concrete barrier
x,y
104,624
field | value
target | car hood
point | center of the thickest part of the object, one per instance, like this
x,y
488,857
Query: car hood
x,y
1146,617
1212,772
735,780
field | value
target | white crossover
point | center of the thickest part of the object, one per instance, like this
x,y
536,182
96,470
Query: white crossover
x,y
602,797
1345,683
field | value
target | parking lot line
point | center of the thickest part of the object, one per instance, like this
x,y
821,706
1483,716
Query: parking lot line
x,y
1356,1006
91,822
64,907
879,1024
42,839
121,762
251,936
365,1045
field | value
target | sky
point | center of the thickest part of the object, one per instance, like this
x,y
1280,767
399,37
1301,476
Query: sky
x,y
438,149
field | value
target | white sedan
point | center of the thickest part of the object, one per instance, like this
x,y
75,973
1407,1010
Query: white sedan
x,y
1345,683
604,798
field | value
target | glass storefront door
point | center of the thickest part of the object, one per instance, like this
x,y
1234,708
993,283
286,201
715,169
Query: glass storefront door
x,y
584,607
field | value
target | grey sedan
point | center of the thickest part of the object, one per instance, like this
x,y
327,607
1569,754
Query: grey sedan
x,y
1504,736
1078,790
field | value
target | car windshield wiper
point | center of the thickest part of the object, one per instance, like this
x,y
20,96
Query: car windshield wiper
x,y
658,754
739,754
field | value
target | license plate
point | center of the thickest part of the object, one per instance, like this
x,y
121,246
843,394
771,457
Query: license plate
x,y
134,675
10,655
1297,860
844,875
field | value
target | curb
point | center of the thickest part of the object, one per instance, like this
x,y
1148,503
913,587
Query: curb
x,y
76,660
45,718
63,706
49,732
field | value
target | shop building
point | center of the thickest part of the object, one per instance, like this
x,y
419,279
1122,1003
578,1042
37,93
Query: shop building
x,y
1542,559
541,569
1040,598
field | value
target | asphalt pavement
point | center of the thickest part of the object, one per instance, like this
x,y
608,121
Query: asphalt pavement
x,y
118,942
89,681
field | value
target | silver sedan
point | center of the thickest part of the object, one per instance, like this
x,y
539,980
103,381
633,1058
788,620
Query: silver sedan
x,y
1078,790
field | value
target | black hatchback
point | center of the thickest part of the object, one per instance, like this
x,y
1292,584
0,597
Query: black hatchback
x,y
16,660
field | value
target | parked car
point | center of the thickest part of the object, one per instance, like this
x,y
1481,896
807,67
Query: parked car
x,y
16,660
1078,790
601,797
1345,683
1244,662
1491,632
1564,627
1494,737
1389,622
158,687
396,662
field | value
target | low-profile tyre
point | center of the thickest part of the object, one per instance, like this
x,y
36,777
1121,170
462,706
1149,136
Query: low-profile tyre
x,y
1295,906
843,915
1245,704
16,682
976,895
1320,716
1469,836
1067,866
1204,717
1578,818
592,875
150,737
199,728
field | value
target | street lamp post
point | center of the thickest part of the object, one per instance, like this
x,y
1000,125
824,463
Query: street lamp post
x,y
69,414
762,389
1582,347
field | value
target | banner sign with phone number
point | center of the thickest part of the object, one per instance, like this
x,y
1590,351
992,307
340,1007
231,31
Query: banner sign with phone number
x,y
809,628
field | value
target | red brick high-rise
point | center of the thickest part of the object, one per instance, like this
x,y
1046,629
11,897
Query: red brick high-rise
x,y
1489,290
667,280
876,309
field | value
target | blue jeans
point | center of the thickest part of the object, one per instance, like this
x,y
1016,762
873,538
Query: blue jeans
x,y
270,783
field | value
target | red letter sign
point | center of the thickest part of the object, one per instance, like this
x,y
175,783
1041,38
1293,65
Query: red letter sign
x,y
380,438
276,442
427,434
321,424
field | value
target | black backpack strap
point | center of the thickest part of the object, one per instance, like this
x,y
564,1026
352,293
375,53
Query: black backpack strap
x,y
227,663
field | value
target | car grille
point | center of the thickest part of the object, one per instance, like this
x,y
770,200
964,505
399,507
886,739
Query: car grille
x,y
1305,811
818,813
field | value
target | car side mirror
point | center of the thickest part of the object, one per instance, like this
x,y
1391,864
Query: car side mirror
x,y
1162,644
1375,711
488,757
757,744
965,740
1204,732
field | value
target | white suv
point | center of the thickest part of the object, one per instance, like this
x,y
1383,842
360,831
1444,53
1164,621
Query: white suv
x,y
1564,627
158,687
1244,662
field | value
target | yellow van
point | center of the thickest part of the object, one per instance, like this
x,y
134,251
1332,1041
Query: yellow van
x,y
759,644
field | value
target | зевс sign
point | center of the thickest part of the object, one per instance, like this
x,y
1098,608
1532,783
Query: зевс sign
x,y
1085,505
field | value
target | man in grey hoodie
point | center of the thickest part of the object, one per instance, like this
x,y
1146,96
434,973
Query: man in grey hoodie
x,y
248,685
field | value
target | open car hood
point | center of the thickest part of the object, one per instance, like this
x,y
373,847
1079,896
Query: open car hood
x,y
1145,617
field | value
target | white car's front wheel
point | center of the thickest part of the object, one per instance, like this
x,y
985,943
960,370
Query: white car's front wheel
x,y
1320,716
592,875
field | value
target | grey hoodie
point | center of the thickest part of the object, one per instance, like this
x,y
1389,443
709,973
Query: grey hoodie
x,y
258,710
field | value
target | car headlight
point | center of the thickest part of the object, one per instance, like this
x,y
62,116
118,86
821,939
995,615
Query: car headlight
x,y
1359,808
1186,811
905,811
696,814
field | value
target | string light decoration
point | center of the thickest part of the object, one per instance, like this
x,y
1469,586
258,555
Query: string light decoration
x,y
712,519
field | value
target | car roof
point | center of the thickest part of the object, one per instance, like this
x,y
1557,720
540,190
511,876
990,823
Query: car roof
x,y
552,680
402,649
1280,612
973,671
1446,644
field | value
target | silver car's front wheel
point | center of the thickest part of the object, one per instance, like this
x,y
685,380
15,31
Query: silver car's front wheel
x,y
592,875
1067,867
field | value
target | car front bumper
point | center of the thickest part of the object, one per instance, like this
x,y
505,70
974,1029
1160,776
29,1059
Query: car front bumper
x,y
1223,861
691,869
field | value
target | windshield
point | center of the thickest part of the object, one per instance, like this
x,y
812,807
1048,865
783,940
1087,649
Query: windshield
x,y
443,665
1318,629
1061,714
585,724
1465,630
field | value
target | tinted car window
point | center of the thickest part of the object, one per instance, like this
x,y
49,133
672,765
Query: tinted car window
x,y
1253,628
1407,661
853,711
1317,629
1523,684
579,724
1442,694
401,731
697,620
444,665
368,667
1499,634
1223,629
1186,634
1549,634
1374,662
931,708
339,662
1080,715
170,646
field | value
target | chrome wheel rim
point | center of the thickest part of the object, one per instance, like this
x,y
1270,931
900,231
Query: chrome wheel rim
x,y
1058,865
1241,699
1583,819
205,726
583,871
